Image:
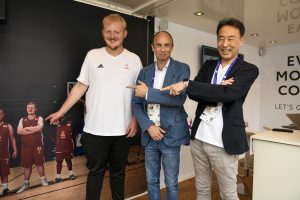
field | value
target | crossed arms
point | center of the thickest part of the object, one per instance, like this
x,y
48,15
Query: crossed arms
x,y
31,129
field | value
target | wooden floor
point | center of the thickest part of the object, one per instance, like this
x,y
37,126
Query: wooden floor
x,y
187,190
135,183
75,189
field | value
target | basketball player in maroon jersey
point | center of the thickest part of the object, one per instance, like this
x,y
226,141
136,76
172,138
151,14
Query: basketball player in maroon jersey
x,y
6,135
64,149
32,147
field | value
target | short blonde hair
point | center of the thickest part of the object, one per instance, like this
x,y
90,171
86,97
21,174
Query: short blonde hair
x,y
114,18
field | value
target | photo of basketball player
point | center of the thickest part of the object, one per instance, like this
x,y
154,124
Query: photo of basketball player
x,y
64,149
32,146
6,136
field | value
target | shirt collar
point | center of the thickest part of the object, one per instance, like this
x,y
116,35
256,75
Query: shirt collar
x,y
165,67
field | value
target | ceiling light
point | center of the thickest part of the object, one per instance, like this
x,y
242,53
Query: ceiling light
x,y
199,13
273,41
254,34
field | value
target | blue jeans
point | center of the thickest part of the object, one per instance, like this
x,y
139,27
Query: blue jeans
x,y
156,152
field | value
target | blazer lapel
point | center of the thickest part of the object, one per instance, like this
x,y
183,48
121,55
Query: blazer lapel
x,y
170,73
211,71
149,75
235,67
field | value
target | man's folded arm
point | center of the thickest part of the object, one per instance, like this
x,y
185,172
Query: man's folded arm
x,y
224,93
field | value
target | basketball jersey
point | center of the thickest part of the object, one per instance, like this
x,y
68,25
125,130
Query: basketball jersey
x,y
34,139
4,141
64,142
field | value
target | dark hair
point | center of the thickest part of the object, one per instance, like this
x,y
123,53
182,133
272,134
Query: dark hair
x,y
162,32
231,22
32,103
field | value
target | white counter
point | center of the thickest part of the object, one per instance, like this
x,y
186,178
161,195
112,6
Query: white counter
x,y
276,166
280,137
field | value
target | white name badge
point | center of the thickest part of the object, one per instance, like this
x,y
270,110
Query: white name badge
x,y
210,113
154,113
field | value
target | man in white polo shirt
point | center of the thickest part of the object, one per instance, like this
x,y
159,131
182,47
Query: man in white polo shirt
x,y
104,76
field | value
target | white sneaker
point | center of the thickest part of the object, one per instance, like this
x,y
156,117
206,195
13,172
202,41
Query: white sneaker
x,y
23,188
44,182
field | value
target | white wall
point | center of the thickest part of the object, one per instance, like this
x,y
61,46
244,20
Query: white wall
x,y
187,49
274,106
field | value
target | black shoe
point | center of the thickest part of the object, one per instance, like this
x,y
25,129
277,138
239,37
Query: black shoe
x,y
57,180
5,191
72,177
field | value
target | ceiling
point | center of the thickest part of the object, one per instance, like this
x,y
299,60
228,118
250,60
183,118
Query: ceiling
x,y
273,20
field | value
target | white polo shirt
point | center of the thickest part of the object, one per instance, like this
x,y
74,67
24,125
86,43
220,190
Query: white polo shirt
x,y
108,101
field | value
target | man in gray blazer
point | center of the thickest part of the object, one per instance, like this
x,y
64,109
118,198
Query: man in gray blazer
x,y
162,117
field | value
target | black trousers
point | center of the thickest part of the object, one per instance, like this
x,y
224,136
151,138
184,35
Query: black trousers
x,y
102,152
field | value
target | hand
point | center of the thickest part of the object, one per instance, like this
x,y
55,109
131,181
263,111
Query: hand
x,y
175,89
156,132
54,118
140,90
132,128
228,82
14,155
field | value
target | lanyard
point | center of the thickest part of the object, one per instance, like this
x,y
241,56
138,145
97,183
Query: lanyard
x,y
152,81
227,72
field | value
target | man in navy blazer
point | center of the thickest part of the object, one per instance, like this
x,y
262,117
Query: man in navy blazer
x,y
162,117
218,132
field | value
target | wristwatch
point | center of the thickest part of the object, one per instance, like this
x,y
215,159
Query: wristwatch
x,y
186,82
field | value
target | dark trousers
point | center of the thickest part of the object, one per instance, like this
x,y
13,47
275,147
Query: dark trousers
x,y
103,151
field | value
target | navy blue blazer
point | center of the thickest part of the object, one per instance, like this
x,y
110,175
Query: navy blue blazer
x,y
172,114
232,96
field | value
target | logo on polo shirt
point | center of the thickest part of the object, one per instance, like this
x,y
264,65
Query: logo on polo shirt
x,y
126,66
100,66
